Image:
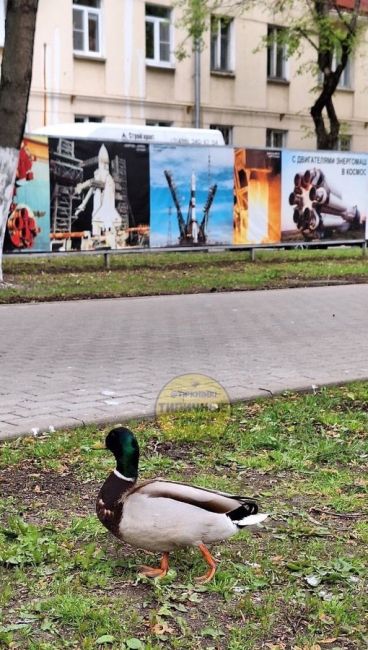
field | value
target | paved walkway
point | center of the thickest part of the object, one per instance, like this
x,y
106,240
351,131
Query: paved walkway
x,y
65,363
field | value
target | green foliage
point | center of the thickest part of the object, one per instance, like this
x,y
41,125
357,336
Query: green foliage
x,y
64,278
194,18
323,26
23,544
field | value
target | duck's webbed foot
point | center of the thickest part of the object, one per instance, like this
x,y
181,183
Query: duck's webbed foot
x,y
210,561
152,572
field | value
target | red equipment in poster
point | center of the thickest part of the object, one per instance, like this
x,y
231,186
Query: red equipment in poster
x,y
22,227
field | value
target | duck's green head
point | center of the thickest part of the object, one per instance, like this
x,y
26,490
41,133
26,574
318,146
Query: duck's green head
x,y
123,444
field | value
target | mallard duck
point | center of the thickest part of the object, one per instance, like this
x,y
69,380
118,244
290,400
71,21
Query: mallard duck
x,y
160,515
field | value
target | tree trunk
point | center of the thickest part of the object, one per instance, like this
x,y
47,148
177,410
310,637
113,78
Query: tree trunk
x,y
16,76
327,138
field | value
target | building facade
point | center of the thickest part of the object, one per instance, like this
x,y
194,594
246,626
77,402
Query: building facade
x,y
114,60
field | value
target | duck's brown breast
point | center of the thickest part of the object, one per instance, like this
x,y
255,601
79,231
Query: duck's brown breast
x,y
110,502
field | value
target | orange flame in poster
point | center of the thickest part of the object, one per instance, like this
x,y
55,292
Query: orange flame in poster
x,y
256,217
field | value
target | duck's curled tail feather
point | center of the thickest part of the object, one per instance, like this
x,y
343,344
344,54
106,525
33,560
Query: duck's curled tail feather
x,y
246,515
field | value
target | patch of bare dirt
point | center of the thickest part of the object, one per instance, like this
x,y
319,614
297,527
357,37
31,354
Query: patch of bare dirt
x,y
38,490
171,449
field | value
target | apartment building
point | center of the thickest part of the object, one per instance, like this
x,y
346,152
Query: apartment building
x,y
114,60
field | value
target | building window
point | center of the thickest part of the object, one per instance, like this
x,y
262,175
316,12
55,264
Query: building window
x,y
221,44
276,138
88,118
158,35
158,123
87,27
227,132
276,53
345,81
344,143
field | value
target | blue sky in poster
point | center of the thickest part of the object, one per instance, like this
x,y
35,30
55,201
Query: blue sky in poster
x,y
210,165
36,195
345,172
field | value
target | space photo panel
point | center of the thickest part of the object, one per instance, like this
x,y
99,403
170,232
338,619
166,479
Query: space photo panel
x,y
99,194
191,195
28,224
257,196
324,195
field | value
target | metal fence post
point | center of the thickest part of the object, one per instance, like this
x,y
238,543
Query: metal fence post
x,y
107,261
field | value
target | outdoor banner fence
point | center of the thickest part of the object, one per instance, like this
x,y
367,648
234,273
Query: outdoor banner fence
x,y
94,195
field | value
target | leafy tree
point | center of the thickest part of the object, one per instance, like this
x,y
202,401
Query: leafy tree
x,y
16,76
331,28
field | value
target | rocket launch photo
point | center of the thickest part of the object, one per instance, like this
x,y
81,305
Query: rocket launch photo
x,y
191,195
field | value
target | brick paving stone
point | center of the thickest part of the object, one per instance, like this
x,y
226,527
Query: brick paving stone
x,y
69,356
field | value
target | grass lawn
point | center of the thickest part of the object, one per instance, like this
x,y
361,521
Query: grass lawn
x,y
297,584
76,276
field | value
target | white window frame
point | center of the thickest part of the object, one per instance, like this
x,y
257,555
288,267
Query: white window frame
x,y
216,65
272,54
226,130
345,81
80,119
156,21
271,133
86,11
165,123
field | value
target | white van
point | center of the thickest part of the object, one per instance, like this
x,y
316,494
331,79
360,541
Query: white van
x,y
132,133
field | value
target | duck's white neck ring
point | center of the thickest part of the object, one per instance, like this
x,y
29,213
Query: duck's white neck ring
x,y
125,478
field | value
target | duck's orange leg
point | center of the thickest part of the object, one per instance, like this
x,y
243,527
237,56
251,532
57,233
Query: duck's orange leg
x,y
152,572
210,561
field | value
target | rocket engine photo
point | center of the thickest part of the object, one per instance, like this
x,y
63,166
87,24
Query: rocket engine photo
x,y
319,208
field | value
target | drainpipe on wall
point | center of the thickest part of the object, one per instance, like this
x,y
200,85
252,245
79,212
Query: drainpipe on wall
x,y
44,85
197,84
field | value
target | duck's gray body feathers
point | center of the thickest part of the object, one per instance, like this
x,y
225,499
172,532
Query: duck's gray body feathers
x,y
165,524
161,515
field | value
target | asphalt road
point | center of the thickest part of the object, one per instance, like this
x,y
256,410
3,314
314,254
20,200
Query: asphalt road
x,y
65,363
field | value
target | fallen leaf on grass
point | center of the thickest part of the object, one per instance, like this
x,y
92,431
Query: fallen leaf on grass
x,y
194,598
62,469
330,640
361,482
39,504
162,628
313,580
